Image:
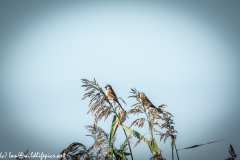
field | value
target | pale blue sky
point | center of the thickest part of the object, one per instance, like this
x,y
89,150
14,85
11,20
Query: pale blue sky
x,y
184,54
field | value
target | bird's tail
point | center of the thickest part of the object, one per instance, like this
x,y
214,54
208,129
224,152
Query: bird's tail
x,y
153,106
120,105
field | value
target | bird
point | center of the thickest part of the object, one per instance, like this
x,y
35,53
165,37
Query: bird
x,y
120,119
145,101
110,93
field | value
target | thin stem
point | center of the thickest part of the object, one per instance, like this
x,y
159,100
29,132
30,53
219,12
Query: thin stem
x,y
128,144
176,149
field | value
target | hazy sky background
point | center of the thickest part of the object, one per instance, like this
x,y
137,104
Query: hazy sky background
x,y
184,54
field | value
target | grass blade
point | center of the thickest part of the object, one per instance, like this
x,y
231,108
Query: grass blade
x,y
198,145
112,129
153,146
135,134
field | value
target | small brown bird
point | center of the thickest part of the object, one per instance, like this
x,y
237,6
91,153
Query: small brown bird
x,y
145,101
110,93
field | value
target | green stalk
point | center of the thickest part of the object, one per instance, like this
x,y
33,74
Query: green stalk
x,y
117,117
128,143
176,149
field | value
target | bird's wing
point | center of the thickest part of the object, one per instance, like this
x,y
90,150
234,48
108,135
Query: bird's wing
x,y
149,102
113,94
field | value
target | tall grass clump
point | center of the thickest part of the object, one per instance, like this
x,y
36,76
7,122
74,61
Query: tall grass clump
x,y
158,121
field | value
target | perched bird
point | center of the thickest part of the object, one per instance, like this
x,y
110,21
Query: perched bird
x,y
110,93
145,101
121,118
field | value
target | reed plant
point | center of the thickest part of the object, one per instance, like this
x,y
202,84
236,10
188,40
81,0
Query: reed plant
x,y
159,122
